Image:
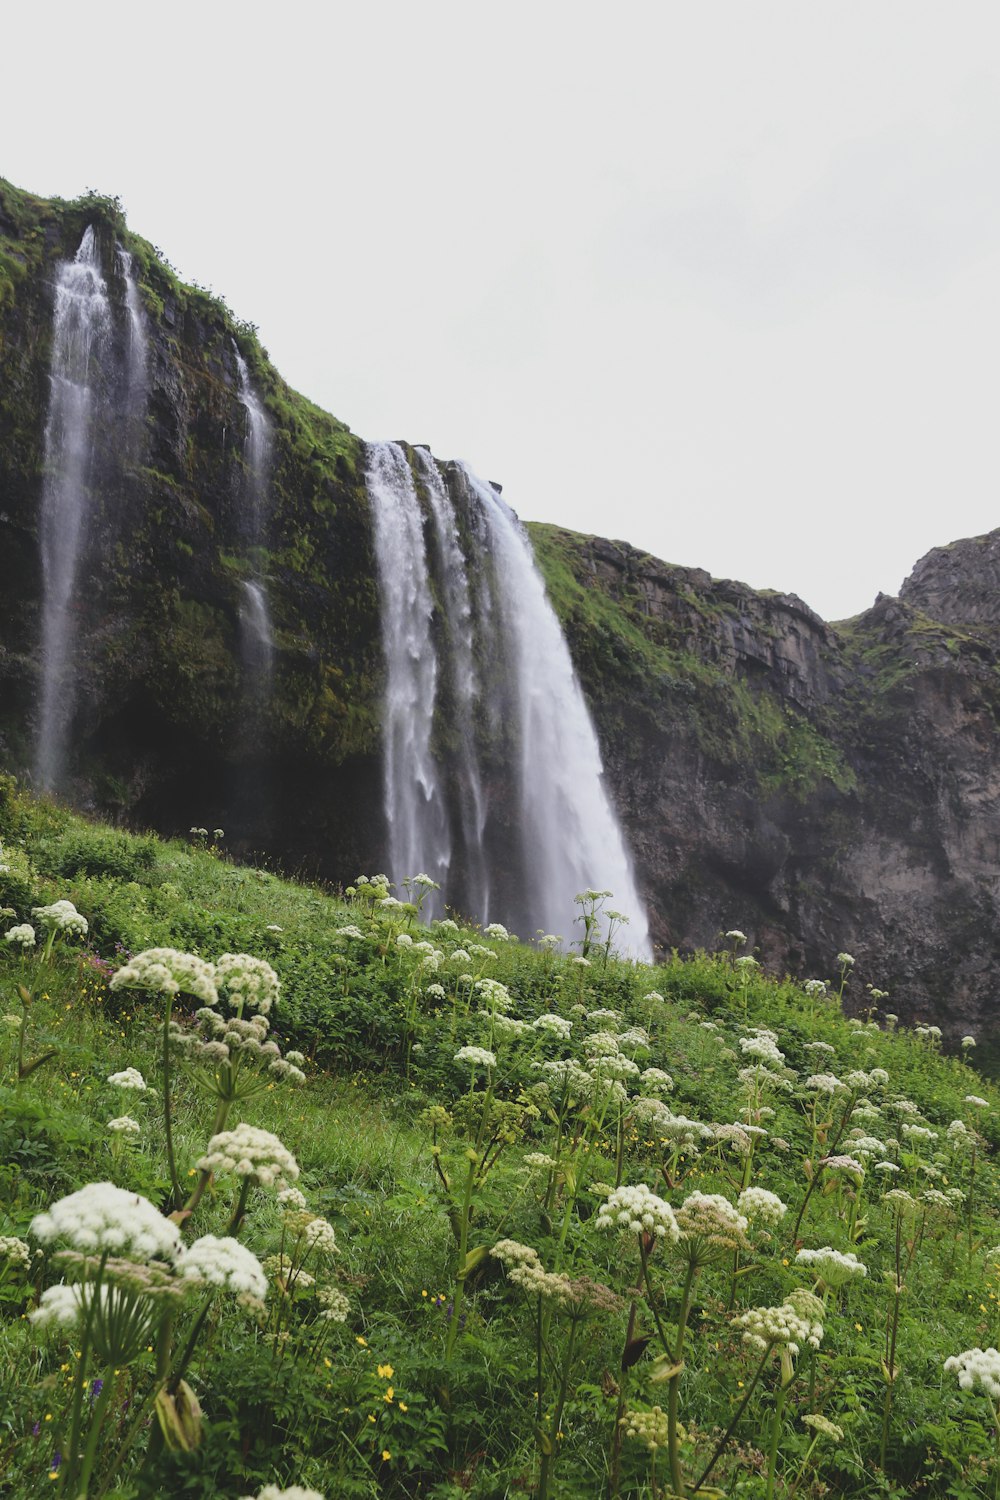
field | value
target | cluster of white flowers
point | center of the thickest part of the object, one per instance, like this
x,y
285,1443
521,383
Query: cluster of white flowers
x,y
711,1220
977,1367
335,1304
61,916
319,1235
479,1057
124,1125
291,1198
168,971
736,936
845,960
815,987
540,1160
977,1102
823,1047
507,1028
758,1204
796,1322
823,1083
58,1306
102,1217
651,1427
657,1081
22,936
350,931
968,1041
919,1134
833,1267
496,995
223,1263
497,930
294,1491
129,1078
823,1426
554,1025
640,1211
849,1165
248,983
14,1250
248,1151
603,1014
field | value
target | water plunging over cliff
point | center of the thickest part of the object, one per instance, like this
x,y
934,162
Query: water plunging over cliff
x,y
137,356
419,839
256,635
481,698
80,335
571,837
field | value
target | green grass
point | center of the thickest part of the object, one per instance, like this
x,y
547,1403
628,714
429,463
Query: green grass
x,y
318,1407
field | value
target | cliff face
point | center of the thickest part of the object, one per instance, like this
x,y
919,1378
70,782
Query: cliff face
x,y
821,787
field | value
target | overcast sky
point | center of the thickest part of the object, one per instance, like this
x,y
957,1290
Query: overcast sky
x,y
719,277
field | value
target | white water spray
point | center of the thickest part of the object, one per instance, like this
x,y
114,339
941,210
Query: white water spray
x,y
419,840
80,335
571,836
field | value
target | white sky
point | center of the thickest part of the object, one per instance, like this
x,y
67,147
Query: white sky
x,y
719,277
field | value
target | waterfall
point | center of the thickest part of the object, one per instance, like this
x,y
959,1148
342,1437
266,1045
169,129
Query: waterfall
x,y
457,603
257,637
80,336
137,356
572,839
419,838
485,681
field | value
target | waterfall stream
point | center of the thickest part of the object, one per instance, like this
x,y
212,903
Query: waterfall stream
x,y
256,634
80,337
419,836
513,693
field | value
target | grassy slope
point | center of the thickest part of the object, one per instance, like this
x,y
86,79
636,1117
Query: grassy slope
x,y
304,1412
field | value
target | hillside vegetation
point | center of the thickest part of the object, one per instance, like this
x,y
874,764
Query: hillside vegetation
x,y
489,1217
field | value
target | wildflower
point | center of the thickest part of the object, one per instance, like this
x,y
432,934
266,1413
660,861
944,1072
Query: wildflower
x,y
820,1047
849,1165
250,1152
294,1492
968,1041
540,1160
61,916
639,1211
15,1251
334,1304
22,936
977,1367
168,971
794,1323
292,1198
845,960
833,1267
747,963
480,1057
823,1426
657,1081
248,983
976,1102
815,987
102,1217
710,1224
350,931
223,1263
554,1025
824,1083
124,1125
757,1203
762,1048
498,931
649,1427
735,936
59,1306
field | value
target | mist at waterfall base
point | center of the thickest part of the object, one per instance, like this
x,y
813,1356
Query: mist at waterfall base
x,y
494,652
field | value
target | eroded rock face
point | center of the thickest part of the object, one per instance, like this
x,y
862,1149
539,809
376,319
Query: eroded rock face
x,y
822,787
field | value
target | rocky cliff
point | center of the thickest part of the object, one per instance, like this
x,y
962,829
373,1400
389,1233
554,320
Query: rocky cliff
x,y
822,787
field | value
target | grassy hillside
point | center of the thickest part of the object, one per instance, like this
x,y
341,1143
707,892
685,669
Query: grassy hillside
x,y
563,1217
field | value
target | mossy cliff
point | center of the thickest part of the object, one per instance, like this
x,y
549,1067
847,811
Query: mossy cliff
x,y
822,787
161,733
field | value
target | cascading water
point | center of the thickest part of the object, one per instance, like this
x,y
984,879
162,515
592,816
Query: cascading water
x,y
80,335
515,706
257,637
457,603
572,839
137,354
256,634
419,837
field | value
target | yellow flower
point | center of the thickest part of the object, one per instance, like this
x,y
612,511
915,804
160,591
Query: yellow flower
x,y
386,1455
403,1406
361,1340
388,1393
385,1372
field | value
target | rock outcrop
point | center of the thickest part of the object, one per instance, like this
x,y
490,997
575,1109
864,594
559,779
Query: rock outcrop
x,y
822,787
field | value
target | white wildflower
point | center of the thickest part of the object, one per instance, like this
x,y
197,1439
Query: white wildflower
x,y
977,1367
758,1204
61,916
834,1267
102,1217
223,1263
22,936
479,1057
639,1211
250,1152
124,1125
129,1078
168,971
